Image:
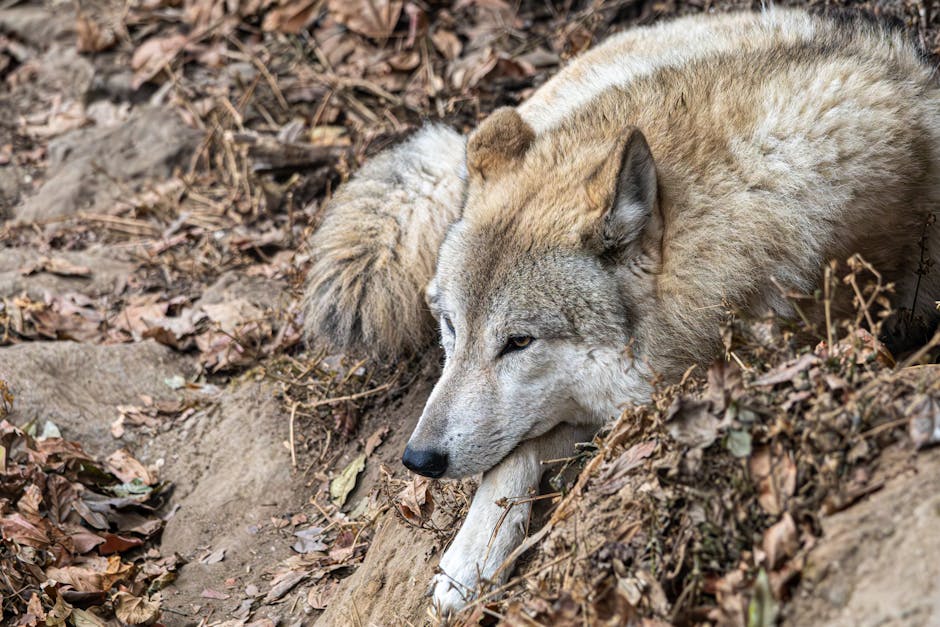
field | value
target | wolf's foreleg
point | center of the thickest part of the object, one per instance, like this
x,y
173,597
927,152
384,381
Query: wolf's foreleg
x,y
497,520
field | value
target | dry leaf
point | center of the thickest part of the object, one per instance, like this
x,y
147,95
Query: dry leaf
x,y
614,473
690,422
114,543
22,531
213,558
447,43
375,440
58,120
788,371
135,610
775,476
309,540
93,36
373,18
126,468
153,55
415,502
82,578
344,483
56,265
292,17
284,583
780,541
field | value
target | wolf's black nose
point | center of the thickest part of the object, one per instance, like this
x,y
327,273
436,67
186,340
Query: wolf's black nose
x,y
428,463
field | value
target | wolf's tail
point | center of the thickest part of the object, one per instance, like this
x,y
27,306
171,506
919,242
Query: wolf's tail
x,y
377,248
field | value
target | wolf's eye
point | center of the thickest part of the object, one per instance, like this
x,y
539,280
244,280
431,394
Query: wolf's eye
x,y
449,325
516,343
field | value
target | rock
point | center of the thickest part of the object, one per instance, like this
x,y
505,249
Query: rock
x,y
90,169
11,184
876,563
108,273
38,26
63,71
260,291
79,386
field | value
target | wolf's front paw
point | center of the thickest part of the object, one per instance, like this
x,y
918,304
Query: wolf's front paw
x,y
456,585
449,596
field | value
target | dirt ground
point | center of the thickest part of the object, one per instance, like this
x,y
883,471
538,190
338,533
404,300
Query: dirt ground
x,y
162,164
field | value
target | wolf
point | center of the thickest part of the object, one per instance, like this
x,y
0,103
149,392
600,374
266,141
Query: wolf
x,y
575,249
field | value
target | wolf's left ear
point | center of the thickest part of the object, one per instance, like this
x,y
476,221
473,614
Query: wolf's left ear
x,y
498,144
631,224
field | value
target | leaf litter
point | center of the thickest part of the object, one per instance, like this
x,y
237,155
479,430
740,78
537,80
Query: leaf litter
x,y
75,533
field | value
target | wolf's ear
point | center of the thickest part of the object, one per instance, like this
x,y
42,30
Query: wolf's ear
x,y
631,224
500,140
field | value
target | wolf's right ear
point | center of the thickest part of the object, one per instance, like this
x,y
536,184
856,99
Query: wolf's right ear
x,y
627,186
502,138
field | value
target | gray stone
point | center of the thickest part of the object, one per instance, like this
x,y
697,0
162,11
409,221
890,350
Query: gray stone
x,y
90,169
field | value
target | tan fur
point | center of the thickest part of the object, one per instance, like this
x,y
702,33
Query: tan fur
x,y
498,144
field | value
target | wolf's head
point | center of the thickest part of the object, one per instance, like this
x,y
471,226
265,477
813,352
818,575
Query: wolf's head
x,y
540,290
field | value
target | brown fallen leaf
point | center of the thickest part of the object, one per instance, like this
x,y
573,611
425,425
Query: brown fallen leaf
x,y
613,474
20,530
135,610
93,36
34,610
284,583
447,43
114,543
775,476
153,55
415,502
859,346
375,19
319,596
88,578
84,540
691,422
375,440
30,502
788,371
126,468
780,541
209,593
61,118
292,17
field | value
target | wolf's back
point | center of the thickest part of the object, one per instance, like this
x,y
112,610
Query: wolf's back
x,y
377,247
